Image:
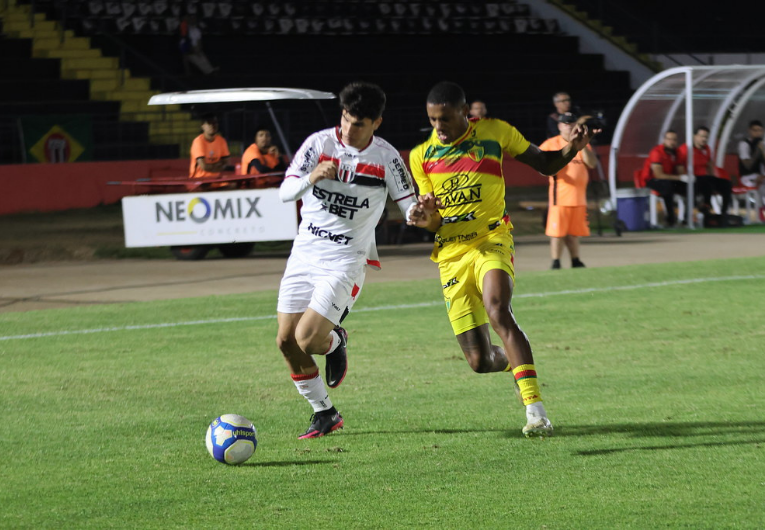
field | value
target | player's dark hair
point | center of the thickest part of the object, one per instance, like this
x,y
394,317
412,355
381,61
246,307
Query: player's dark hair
x,y
701,128
262,127
670,131
447,93
210,117
755,123
363,100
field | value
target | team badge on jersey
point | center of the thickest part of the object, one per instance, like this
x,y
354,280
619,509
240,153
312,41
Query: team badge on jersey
x,y
476,153
345,172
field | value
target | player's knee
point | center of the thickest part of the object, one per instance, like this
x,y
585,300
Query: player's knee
x,y
499,315
286,344
479,363
309,342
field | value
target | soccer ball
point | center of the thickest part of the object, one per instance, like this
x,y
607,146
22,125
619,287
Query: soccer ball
x,y
231,439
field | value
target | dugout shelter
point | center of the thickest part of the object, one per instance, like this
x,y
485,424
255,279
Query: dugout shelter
x,y
723,98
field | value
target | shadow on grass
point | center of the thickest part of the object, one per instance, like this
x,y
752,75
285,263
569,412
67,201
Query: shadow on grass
x,y
290,463
422,431
669,429
596,452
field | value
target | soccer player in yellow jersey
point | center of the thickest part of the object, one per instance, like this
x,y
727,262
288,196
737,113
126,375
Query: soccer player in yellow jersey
x,y
462,198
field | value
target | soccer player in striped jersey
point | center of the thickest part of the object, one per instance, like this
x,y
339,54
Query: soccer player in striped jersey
x,y
343,176
462,198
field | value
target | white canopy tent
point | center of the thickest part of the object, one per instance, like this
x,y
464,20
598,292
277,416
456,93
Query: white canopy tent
x,y
723,98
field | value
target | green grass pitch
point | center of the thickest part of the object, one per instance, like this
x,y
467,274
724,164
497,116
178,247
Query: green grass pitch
x,y
653,376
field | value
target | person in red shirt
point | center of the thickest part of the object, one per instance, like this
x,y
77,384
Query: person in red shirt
x,y
703,171
660,174
567,217
209,150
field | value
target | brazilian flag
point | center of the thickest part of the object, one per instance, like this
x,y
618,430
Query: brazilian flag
x,y
58,138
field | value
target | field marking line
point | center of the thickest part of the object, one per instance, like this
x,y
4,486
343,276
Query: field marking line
x,y
382,307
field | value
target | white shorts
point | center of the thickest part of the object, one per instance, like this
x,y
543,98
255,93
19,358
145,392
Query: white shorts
x,y
329,293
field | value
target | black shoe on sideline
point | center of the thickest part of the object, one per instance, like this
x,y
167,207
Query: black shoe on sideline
x,y
323,423
337,360
575,263
555,264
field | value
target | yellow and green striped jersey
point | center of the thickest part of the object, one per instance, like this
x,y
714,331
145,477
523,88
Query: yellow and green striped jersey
x,y
467,176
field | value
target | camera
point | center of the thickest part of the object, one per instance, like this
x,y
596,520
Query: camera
x,y
595,119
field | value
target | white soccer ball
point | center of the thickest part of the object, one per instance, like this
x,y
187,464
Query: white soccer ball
x,y
231,439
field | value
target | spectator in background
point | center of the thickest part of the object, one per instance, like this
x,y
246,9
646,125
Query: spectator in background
x,y
567,216
562,102
478,109
751,162
660,174
209,150
264,157
704,172
191,47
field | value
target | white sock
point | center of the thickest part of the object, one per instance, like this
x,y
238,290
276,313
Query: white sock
x,y
314,391
535,411
334,341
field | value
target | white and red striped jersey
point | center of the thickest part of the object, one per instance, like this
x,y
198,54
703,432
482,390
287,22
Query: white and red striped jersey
x,y
337,230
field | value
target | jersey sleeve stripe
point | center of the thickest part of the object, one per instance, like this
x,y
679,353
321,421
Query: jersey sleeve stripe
x,y
402,198
372,170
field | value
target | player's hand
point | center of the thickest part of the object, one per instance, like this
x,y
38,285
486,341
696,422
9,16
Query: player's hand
x,y
274,151
326,170
581,136
429,202
421,214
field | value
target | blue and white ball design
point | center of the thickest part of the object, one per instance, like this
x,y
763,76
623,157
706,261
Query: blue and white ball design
x,y
231,439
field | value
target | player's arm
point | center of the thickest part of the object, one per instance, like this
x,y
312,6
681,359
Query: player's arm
x,y
306,170
425,213
550,162
589,158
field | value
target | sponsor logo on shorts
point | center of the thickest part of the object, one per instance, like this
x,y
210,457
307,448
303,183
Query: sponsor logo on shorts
x,y
458,218
340,239
460,238
338,204
453,281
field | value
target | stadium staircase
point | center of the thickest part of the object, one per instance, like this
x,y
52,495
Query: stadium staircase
x,y
498,51
170,129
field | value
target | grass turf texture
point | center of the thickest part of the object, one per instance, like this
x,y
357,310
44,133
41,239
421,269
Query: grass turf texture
x,y
655,394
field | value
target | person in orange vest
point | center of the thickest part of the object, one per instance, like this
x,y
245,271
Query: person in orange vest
x,y
263,156
567,217
209,150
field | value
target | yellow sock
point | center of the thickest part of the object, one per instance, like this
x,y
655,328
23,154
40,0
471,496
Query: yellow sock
x,y
526,377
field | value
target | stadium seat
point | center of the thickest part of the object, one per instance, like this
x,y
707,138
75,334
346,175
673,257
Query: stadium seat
x,y
741,193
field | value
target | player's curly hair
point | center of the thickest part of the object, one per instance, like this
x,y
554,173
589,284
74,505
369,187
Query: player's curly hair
x,y
447,93
363,100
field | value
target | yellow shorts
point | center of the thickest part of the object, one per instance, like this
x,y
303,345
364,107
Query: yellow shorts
x,y
462,280
565,221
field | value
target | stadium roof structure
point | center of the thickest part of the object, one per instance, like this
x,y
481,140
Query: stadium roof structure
x,y
723,98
